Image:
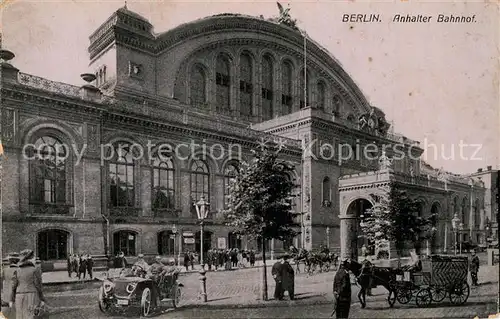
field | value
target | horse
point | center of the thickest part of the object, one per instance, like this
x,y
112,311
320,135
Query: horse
x,y
301,256
385,277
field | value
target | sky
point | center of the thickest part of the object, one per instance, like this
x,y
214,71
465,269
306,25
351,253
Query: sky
x,y
437,82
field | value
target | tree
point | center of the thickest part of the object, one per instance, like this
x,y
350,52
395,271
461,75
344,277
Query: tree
x,y
395,218
260,201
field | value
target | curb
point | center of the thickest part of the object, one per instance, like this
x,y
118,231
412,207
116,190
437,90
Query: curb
x,y
261,304
69,286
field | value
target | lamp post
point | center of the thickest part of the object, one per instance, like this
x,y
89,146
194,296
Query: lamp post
x,y
174,234
328,238
460,228
202,212
454,225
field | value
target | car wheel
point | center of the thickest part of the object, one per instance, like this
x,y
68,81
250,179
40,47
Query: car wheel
x,y
146,302
103,305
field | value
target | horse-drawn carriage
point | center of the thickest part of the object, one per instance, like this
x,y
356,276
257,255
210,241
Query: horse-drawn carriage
x,y
321,261
441,276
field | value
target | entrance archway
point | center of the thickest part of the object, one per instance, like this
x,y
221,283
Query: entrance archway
x,y
53,244
233,240
166,243
357,209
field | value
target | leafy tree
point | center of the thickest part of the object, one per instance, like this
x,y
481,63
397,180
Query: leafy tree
x,y
395,218
260,201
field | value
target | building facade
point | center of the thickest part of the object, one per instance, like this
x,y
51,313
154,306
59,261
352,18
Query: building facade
x,y
83,170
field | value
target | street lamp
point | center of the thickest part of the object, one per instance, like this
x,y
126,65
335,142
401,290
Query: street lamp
x,y
460,228
202,212
454,225
174,234
328,238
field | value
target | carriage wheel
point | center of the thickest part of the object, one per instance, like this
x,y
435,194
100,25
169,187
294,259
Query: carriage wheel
x,y
438,293
403,295
146,302
177,297
423,297
103,304
459,293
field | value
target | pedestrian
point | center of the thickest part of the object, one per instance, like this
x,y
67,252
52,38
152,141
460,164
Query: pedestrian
x,y
90,266
77,265
252,258
83,266
277,273
342,291
187,259
474,267
191,260
70,265
288,277
27,290
7,275
209,259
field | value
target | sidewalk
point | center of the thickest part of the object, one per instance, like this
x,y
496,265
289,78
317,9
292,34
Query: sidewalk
x,y
54,278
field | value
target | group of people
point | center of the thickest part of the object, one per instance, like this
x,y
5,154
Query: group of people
x,y
23,289
222,259
81,265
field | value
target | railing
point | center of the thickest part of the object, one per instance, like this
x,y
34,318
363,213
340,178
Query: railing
x,y
165,213
49,209
124,211
52,86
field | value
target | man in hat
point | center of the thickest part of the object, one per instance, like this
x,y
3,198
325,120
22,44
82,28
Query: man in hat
x,y
140,265
288,277
474,267
277,273
342,290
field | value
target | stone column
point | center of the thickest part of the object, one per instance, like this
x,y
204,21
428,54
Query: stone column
x,y
348,235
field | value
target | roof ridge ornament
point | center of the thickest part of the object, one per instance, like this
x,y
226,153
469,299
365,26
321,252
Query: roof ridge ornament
x,y
285,18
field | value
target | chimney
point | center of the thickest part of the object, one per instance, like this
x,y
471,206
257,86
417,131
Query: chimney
x,y
488,167
479,170
89,91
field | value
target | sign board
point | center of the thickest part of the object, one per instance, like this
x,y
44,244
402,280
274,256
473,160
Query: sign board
x,y
172,236
187,234
221,243
130,237
188,240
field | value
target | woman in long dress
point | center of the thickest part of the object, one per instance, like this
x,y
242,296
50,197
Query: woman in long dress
x,y
27,294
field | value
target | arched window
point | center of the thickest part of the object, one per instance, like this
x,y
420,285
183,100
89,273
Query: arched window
x,y
223,83
303,101
100,77
166,243
477,214
163,192
121,176
267,88
52,244
246,86
48,180
200,182
326,190
287,80
229,173
104,74
465,212
259,244
198,86
350,118
234,240
337,103
124,241
321,87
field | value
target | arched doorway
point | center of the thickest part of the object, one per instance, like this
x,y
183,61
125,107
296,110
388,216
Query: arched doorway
x,y
207,241
166,243
53,244
125,241
234,241
358,208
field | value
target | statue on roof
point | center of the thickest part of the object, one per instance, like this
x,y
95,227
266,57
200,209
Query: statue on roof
x,y
441,175
384,161
285,18
373,122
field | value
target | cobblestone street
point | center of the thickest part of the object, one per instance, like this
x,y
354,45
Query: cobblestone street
x,y
236,294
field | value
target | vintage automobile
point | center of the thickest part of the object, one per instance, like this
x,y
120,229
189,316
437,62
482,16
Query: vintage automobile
x,y
132,290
